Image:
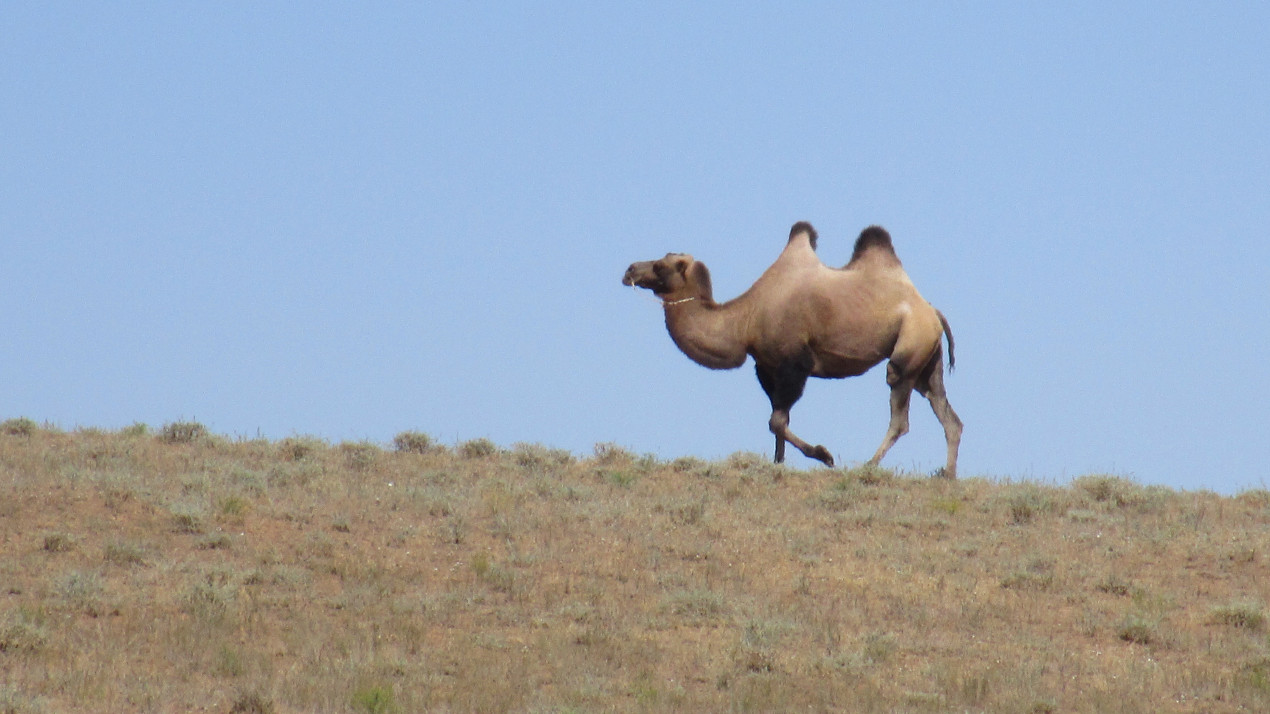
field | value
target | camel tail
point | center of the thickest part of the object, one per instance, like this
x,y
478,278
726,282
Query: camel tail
x,y
952,359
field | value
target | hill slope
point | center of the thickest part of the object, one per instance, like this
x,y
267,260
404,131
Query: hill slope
x,y
186,572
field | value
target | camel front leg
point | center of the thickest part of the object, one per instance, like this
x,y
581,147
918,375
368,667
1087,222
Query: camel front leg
x,y
783,387
779,424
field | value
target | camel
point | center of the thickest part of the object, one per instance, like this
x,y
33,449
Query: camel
x,y
802,319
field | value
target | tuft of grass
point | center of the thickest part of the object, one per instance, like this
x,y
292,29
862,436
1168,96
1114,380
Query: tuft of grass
x,y
687,513
82,591
878,647
1024,506
1242,614
1112,490
22,632
688,464
1138,629
374,699
58,542
946,505
14,701
842,494
187,517
540,458
124,553
497,577
215,541
299,448
209,596
697,606
1082,515
1036,574
360,455
252,702
20,426
183,432
413,442
478,449
1113,585
1255,675
622,478
233,506
872,474
135,430
609,453
1255,497
751,465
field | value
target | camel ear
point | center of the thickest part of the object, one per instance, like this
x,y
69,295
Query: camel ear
x,y
672,263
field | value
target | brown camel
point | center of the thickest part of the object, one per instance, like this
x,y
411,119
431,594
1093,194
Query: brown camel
x,y
804,319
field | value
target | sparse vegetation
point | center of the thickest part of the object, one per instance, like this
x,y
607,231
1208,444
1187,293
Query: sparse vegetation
x,y
259,577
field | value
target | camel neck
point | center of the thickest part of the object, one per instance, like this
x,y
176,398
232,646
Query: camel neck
x,y
710,334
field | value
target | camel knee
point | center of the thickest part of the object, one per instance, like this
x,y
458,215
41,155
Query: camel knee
x,y
779,423
892,375
899,427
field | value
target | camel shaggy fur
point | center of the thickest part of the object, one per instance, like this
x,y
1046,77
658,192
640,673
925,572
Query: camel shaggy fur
x,y
803,319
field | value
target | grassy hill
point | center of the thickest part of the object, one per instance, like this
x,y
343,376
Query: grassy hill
x,y
180,571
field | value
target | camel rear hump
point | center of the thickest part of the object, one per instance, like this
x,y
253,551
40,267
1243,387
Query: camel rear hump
x,y
874,243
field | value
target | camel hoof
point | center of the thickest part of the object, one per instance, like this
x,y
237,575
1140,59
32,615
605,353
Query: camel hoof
x,y
942,472
822,455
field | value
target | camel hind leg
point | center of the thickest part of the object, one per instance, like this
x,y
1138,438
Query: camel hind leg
x,y
784,386
931,386
901,392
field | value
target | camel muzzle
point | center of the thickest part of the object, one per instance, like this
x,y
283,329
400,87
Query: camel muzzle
x,y
636,273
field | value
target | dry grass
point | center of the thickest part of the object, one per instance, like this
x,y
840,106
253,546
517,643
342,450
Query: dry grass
x,y
181,571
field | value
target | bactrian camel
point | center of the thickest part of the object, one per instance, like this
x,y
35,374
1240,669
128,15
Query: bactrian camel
x,y
803,319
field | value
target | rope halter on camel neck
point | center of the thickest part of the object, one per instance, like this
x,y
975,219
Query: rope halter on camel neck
x,y
668,303
664,302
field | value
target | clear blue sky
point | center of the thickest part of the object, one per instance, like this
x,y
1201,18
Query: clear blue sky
x,y
351,220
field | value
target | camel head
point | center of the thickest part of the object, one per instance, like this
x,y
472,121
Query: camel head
x,y
677,276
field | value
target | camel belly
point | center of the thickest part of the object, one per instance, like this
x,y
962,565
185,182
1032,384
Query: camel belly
x,y
831,366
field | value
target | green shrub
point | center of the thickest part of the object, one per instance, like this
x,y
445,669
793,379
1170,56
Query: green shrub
x,y
19,427
299,448
1246,615
137,429
375,699
478,449
412,442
